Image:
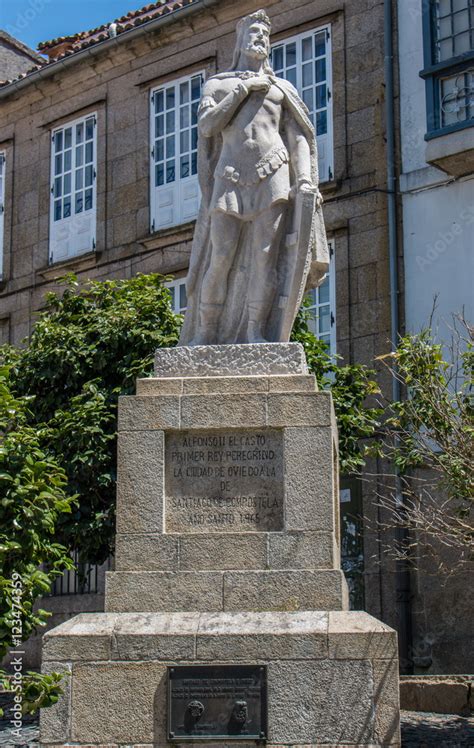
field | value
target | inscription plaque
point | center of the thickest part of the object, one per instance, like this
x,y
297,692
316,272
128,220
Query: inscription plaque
x,y
217,702
224,481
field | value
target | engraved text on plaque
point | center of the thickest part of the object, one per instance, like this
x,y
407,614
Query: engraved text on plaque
x,y
224,481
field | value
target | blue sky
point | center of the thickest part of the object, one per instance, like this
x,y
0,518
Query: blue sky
x,y
34,21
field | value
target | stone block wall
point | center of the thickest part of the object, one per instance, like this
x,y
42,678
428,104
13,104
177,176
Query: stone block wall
x,y
347,655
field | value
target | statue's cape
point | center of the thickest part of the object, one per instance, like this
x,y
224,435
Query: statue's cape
x,y
316,262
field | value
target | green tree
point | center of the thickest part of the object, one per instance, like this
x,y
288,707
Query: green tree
x,y
89,345
32,500
429,438
353,387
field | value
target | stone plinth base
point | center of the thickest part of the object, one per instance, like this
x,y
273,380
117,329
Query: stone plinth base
x,y
332,677
251,359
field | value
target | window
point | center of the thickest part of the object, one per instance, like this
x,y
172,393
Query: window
x,y
174,184
179,300
448,28
323,307
2,208
305,61
73,189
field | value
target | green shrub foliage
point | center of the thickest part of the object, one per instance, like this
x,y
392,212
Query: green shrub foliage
x,y
33,497
352,387
89,345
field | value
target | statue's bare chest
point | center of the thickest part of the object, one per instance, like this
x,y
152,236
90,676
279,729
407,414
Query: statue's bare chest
x,y
258,104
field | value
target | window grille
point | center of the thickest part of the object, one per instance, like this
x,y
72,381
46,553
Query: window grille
x,y
174,133
454,28
305,61
83,579
73,189
448,29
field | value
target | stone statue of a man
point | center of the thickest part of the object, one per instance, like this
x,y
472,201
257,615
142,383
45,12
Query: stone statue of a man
x,y
260,234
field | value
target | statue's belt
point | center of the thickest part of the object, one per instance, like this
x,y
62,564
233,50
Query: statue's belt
x,y
268,165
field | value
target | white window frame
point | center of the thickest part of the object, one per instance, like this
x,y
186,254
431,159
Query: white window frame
x,y
3,162
76,234
332,304
177,202
325,142
175,287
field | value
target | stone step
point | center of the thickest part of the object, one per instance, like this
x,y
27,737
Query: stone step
x,y
143,591
116,692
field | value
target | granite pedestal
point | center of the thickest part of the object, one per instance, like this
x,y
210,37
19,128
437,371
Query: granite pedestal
x,y
227,553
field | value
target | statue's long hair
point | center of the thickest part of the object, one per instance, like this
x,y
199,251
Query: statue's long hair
x,y
242,26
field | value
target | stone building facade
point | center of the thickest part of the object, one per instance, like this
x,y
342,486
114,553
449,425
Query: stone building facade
x,y
15,57
99,177
436,49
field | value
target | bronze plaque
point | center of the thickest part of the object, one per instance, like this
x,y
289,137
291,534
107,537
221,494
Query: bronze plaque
x,y
224,481
218,702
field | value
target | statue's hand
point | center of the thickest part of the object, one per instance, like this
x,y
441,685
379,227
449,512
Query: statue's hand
x,y
259,83
304,185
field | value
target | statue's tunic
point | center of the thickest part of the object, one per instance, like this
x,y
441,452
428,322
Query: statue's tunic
x,y
253,171
244,167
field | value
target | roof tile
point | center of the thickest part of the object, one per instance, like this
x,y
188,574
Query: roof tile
x,y
65,46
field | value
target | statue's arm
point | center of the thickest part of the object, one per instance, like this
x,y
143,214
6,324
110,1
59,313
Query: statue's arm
x,y
213,116
300,153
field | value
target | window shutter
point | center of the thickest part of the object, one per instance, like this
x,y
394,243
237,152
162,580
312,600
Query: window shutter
x,y
2,208
179,300
305,60
73,189
175,192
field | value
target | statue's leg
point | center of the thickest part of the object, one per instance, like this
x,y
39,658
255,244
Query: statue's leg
x,y
266,237
225,232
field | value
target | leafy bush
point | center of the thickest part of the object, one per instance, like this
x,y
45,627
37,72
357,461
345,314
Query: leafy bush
x,y
429,438
88,347
351,386
32,500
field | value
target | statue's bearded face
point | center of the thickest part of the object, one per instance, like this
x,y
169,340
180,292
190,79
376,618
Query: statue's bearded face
x,y
256,41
